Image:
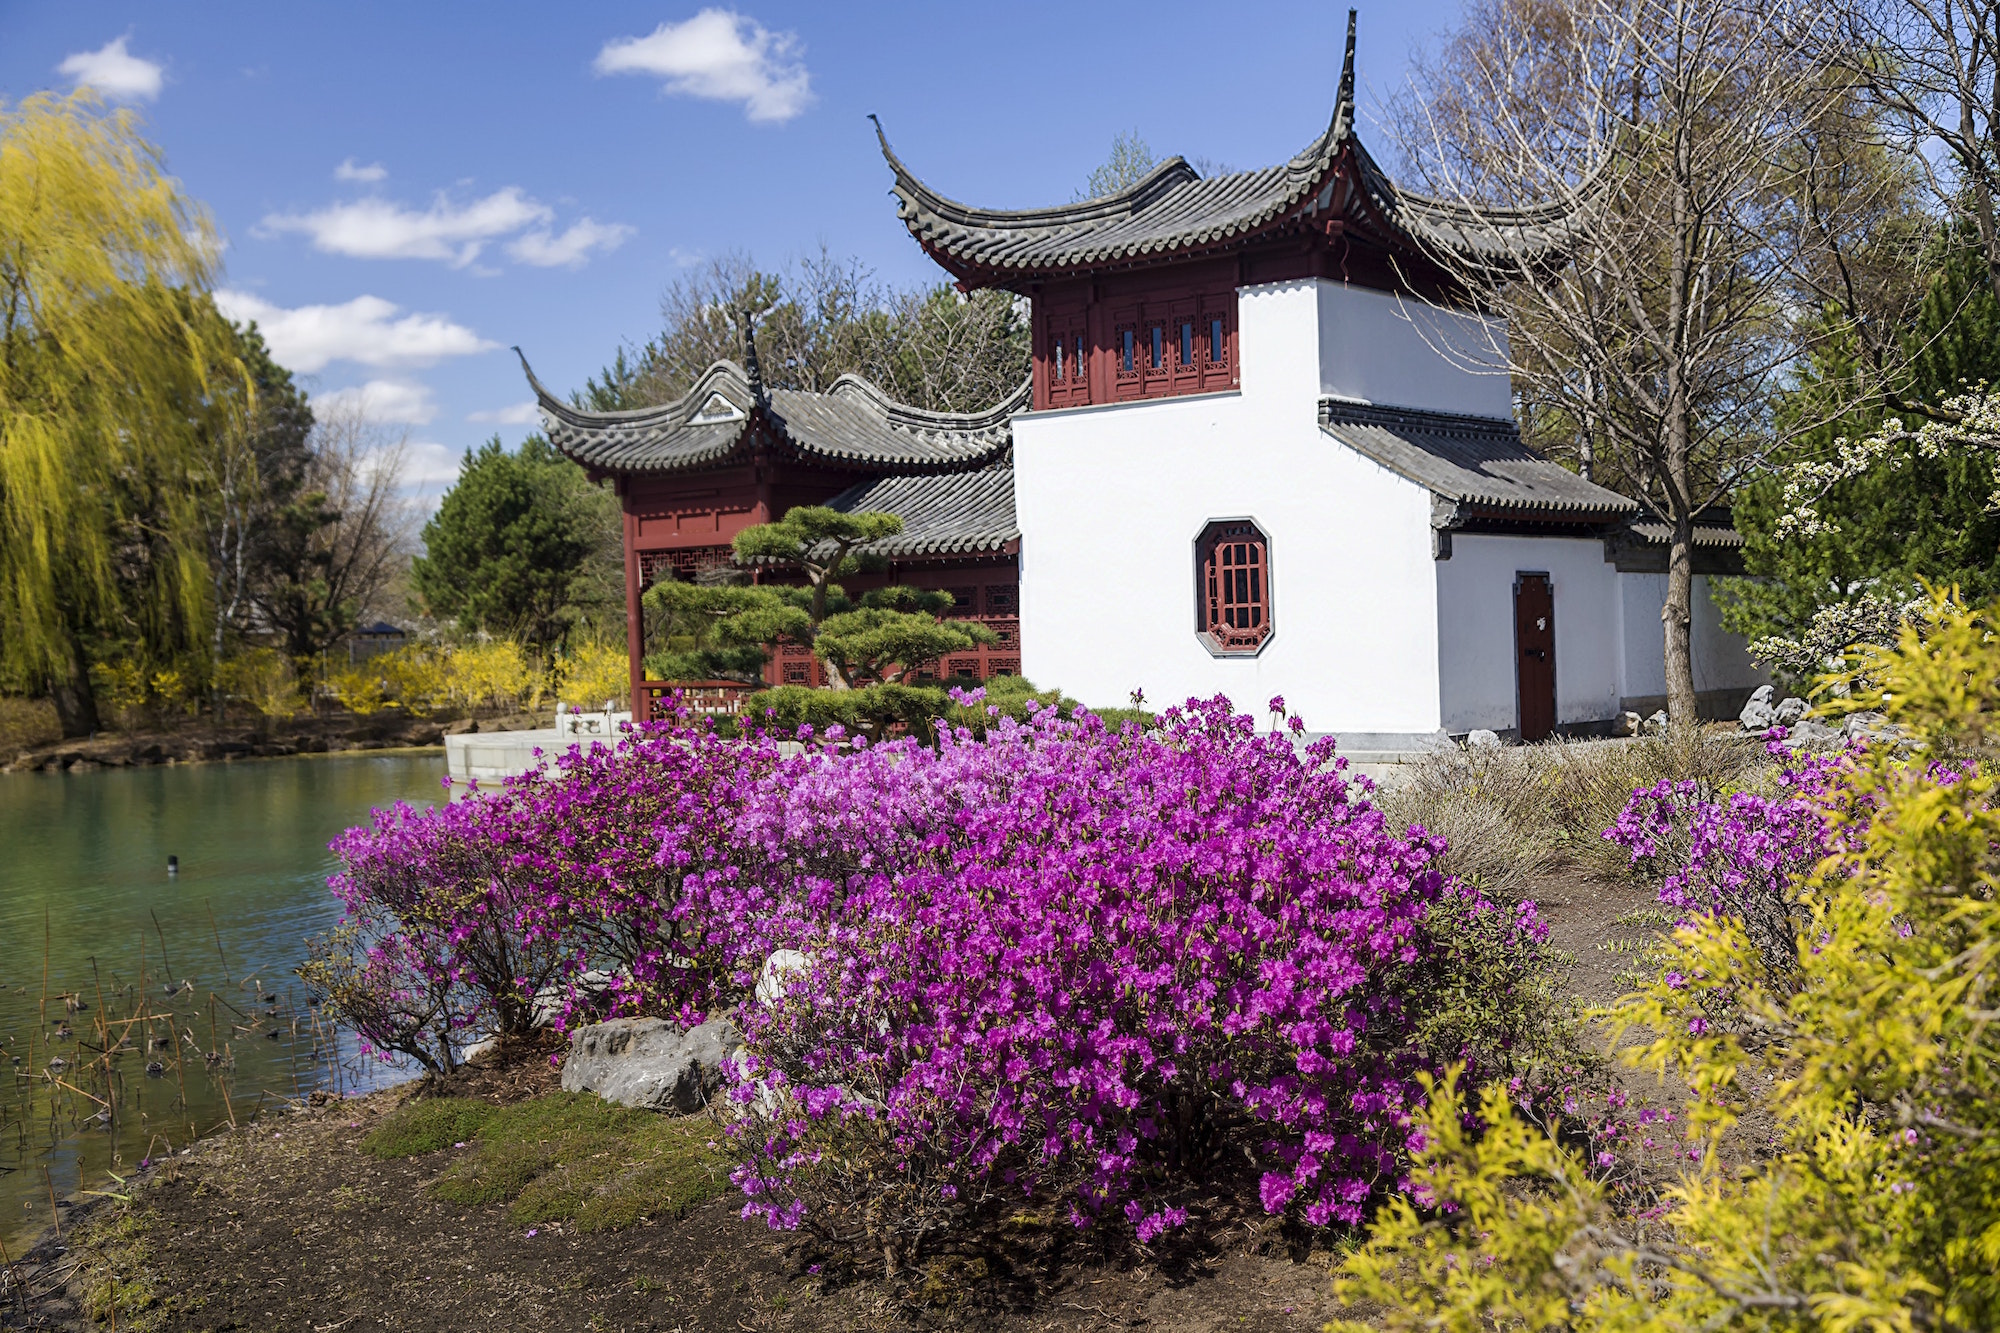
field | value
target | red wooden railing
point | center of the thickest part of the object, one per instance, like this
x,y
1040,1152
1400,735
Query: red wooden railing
x,y
794,665
713,698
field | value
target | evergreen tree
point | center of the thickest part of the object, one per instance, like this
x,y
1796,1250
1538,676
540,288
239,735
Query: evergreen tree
x,y
1930,517
510,549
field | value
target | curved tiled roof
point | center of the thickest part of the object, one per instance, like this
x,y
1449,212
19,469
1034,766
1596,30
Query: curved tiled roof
x,y
1477,461
962,513
1175,209
853,424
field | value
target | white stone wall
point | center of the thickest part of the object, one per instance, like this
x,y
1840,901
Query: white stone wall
x,y
1399,352
1476,665
1721,659
1112,498
1375,640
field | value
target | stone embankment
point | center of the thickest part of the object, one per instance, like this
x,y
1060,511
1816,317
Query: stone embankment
x,y
204,744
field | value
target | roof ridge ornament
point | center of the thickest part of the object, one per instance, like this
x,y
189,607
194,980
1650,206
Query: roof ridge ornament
x,y
753,370
1344,100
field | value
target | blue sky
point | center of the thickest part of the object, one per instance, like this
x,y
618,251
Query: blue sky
x,y
408,189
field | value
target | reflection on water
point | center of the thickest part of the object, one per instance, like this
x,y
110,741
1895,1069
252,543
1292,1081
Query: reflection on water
x,y
169,1006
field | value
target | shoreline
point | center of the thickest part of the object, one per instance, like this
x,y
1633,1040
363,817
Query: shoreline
x,y
376,733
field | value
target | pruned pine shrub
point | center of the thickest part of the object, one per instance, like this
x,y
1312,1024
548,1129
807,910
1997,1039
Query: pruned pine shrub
x,y
1870,1044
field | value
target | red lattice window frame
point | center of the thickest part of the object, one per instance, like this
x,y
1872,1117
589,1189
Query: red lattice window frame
x,y
1233,587
687,563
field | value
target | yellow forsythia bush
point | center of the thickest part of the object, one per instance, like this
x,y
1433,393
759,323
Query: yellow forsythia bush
x,y
589,675
263,678
1876,1058
492,674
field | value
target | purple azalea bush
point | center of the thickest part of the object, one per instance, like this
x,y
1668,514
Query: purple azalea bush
x,y
1740,855
1057,967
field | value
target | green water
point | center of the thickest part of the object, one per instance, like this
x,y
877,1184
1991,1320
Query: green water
x,y
83,867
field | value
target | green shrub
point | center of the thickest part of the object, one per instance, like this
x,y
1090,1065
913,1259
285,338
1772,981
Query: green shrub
x,y
1866,1067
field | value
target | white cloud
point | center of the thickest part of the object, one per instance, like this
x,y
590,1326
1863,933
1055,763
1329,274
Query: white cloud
x,y
115,72
429,467
366,329
381,229
350,171
520,414
387,402
572,248
722,56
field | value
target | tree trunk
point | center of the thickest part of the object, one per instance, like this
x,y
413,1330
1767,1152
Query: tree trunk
x,y
76,701
1676,619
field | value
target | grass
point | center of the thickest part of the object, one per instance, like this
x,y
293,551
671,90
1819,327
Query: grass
x,y
564,1157
25,723
427,1125
1512,815
115,1279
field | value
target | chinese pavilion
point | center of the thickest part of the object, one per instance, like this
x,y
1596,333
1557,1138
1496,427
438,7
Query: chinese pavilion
x,y
1260,453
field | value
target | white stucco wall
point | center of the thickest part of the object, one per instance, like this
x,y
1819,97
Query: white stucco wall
x,y
1721,659
1399,352
1476,664
1375,640
1112,498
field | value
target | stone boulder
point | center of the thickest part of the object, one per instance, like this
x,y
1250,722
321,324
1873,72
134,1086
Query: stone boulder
x,y
649,1063
1790,711
1759,714
1482,739
1873,728
1811,733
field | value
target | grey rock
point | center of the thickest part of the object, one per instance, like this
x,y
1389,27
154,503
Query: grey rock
x,y
591,986
1758,714
649,1063
1482,739
1790,711
771,981
1656,725
1871,727
1812,732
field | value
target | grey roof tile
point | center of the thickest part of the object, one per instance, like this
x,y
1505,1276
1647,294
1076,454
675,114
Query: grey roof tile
x,y
854,424
1709,533
1173,208
1468,460
964,513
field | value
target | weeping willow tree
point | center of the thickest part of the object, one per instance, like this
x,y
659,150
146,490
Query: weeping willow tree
x,y
118,382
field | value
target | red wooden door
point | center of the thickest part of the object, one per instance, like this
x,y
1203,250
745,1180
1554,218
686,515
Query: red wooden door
x,y
1535,654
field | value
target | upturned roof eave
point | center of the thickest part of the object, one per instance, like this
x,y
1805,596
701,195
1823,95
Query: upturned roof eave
x,y
1498,240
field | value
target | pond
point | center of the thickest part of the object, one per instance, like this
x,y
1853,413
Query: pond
x,y
190,974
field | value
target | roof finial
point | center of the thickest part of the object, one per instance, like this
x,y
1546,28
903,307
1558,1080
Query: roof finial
x,y
1345,101
541,393
751,368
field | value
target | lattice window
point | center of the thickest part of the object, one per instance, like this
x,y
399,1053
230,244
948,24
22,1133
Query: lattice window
x,y
1065,375
963,668
685,564
1234,592
1006,666
1002,599
964,602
